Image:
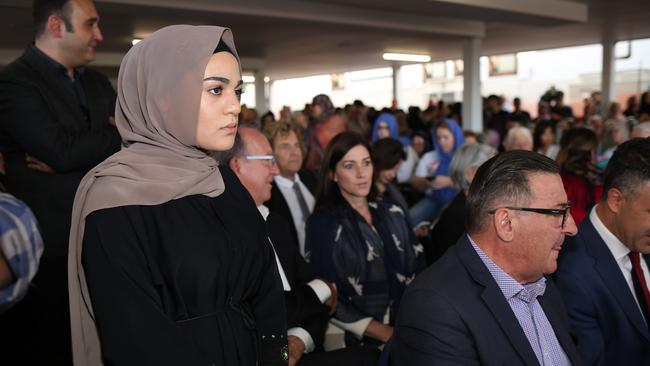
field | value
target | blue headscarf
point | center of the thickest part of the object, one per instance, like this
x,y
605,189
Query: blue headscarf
x,y
391,121
447,194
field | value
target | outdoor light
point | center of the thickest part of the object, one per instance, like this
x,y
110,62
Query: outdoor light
x,y
406,57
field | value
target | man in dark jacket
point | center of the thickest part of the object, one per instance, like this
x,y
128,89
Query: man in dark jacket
x,y
487,300
56,124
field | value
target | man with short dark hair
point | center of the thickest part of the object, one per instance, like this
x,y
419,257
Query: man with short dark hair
x,y
57,123
603,274
487,300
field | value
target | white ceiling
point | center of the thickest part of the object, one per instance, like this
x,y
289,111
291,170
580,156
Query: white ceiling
x,y
306,37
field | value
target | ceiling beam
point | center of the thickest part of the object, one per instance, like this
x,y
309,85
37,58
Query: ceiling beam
x,y
552,9
325,13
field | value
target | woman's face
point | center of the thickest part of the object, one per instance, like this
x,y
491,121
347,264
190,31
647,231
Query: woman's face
x,y
353,173
547,137
418,144
386,176
445,139
383,130
219,108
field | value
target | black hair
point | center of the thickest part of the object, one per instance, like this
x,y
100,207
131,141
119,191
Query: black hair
x,y
629,168
386,153
43,9
328,194
540,128
504,177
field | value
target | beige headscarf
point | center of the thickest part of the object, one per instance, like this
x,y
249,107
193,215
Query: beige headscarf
x,y
159,92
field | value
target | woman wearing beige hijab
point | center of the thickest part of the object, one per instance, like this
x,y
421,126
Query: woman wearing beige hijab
x,y
169,261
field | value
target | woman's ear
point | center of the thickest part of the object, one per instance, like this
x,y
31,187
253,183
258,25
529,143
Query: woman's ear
x,y
332,176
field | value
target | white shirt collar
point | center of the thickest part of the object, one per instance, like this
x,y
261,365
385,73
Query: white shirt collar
x,y
618,249
264,211
284,182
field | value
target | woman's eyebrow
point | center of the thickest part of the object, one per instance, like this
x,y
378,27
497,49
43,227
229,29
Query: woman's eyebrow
x,y
223,80
218,78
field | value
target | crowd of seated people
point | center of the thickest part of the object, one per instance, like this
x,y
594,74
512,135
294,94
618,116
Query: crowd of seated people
x,y
414,239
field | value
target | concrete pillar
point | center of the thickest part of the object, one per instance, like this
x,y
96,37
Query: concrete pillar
x,y
396,76
608,78
261,92
472,103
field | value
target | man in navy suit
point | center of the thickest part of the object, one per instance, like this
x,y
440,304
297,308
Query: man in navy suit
x,y
487,300
603,274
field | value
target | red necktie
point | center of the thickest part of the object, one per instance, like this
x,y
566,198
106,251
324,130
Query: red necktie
x,y
642,289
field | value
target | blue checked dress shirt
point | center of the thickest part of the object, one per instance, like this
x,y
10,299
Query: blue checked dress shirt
x,y
21,245
523,302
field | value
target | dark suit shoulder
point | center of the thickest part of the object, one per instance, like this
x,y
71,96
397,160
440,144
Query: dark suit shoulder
x,y
309,180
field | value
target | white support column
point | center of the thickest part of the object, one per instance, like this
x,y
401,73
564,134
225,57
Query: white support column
x,y
472,103
608,79
261,92
396,80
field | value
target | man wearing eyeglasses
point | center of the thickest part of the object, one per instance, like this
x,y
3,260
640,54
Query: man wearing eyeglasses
x,y
603,275
487,301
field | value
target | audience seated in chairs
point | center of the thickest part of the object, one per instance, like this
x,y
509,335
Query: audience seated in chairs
x,y
309,301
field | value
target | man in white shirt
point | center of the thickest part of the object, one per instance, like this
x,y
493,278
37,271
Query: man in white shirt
x,y
309,301
603,272
292,194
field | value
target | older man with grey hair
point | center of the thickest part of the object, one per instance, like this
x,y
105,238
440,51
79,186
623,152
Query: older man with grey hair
x,y
518,138
451,226
642,130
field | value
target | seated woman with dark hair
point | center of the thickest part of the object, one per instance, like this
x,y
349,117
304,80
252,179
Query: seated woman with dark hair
x,y
544,139
582,179
363,245
387,157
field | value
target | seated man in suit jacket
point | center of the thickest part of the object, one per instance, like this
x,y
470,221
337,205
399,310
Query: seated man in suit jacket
x,y
487,301
292,195
603,273
309,301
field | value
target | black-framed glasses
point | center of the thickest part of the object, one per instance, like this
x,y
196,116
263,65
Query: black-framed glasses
x,y
564,212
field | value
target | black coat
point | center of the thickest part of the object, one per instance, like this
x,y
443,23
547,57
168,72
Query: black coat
x,y
192,281
304,309
449,228
40,115
454,313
